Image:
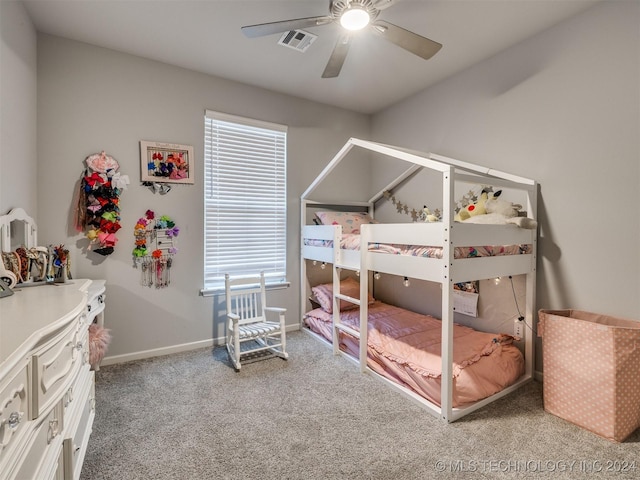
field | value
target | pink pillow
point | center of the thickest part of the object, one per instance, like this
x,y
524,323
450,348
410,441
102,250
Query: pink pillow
x,y
348,286
350,221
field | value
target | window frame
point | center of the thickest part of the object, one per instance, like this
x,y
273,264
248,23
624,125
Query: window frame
x,y
277,279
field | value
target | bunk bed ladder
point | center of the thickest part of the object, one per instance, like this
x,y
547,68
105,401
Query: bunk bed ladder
x,y
338,326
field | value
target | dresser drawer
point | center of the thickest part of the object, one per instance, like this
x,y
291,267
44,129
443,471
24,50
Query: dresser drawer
x,y
95,306
42,455
14,408
75,445
54,365
95,299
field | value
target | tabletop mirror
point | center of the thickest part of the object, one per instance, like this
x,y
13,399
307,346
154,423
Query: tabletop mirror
x,y
20,253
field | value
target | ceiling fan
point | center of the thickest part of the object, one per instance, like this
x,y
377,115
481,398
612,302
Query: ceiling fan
x,y
353,15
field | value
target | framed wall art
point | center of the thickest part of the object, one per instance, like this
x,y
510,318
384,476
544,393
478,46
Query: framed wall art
x,y
166,162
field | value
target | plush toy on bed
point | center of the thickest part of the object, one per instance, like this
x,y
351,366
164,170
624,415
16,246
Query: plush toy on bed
x,y
501,212
427,216
475,208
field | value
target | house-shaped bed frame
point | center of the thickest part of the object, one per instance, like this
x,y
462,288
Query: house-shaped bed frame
x,y
446,271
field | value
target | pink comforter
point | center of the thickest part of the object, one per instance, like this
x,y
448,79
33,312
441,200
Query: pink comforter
x,y
405,347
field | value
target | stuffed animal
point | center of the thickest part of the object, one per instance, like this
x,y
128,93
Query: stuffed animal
x,y
476,208
501,212
427,216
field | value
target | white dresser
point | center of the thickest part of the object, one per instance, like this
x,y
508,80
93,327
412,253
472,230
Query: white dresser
x,y
47,401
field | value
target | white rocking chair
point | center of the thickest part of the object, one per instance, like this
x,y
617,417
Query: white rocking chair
x,y
247,323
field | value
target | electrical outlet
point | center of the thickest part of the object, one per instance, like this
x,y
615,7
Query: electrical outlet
x,y
518,328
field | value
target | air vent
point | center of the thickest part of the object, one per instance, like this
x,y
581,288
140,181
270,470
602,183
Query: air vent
x,y
297,39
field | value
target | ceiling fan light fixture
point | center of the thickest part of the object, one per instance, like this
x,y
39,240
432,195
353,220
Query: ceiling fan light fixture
x,y
355,18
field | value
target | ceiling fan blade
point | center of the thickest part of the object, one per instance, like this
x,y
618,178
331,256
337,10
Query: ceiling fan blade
x,y
338,56
384,4
412,42
263,29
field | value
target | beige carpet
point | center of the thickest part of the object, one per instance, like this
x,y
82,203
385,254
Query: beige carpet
x,y
190,416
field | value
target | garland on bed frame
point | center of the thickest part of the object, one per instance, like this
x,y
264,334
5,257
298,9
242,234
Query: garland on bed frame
x,y
427,215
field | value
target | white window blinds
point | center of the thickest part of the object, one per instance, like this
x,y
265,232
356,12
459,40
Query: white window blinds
x,y
245,198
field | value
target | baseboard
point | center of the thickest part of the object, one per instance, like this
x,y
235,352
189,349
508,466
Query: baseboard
x,y
538,376
158,352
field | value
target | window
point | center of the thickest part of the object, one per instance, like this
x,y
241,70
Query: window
x,y
245,199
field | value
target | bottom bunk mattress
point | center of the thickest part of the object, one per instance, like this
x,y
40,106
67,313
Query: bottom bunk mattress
x,y
405,347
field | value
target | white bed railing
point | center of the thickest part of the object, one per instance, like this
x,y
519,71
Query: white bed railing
x,y
425,235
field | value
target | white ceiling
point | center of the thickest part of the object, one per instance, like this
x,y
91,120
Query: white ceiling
x,y
204,35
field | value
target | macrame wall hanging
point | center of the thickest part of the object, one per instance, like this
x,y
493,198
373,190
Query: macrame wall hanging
x,y
155,247
98,210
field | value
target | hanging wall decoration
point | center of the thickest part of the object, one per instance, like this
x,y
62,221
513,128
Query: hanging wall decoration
x,y
98,210
155,240
166,163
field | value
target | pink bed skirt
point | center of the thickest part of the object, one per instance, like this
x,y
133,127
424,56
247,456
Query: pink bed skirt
x,y
405,347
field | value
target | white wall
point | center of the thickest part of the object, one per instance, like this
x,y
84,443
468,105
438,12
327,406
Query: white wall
x,y
92,99
18,109
563,108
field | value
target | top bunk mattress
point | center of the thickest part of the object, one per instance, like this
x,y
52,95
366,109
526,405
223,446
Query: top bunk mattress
x,y
351,241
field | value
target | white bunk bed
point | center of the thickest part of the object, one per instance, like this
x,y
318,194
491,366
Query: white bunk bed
x,y
446,270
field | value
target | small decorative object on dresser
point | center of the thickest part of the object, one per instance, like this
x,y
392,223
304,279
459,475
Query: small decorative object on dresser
x,y
5,291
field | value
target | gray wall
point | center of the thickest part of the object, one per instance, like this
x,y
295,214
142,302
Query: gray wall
x,y
18,112
562,108
92,99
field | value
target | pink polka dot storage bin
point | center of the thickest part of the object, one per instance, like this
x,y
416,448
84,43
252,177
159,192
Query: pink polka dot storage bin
x,y
592,370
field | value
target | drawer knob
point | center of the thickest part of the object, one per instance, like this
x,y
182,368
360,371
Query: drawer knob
x,y
53,430
14,419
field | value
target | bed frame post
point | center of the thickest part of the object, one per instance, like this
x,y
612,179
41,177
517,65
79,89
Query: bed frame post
x,y
364,290
446,380
529,344
337,235
303,265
